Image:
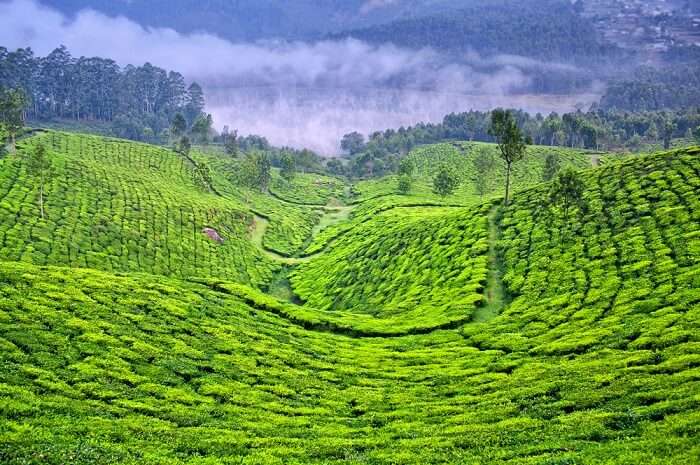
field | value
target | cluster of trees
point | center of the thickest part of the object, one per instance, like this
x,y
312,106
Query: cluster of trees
x,y
381,153
12,115
137,103
566,189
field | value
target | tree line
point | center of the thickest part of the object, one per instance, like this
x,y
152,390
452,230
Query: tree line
x,y
380,153
137,102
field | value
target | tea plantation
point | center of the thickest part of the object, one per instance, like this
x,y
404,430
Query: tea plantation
x,y
424,330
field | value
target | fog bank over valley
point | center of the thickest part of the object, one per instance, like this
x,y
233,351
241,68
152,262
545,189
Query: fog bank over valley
x,y
297,93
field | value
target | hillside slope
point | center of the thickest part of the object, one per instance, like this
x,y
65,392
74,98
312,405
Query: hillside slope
x,y
122,206
594,357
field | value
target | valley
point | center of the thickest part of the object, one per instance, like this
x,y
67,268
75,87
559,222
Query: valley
x,y
346,322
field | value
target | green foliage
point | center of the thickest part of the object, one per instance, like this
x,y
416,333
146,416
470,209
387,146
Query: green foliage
x,y
484,165
593,357
38,165
407,169
291,209
13,103
288,167
178,126
551,167
445,182
122,206
202,128
134,102
565,194
231,143
353,143
419,270
255,171
201,176
184,146
696,134
510,140
404,186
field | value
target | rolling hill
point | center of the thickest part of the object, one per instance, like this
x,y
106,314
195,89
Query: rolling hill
x,y
429,330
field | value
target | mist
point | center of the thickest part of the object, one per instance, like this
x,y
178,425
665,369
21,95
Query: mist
x,y
297,94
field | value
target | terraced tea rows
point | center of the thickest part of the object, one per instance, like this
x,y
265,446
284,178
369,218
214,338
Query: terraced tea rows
x,y
121,206
593,359
627,274
294,210
374,196
427,268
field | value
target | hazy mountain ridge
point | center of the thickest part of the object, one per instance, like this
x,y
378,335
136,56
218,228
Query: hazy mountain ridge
x,y
250,20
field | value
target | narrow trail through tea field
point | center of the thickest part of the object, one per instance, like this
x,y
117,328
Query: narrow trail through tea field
x,y
494,287
332,214
259,227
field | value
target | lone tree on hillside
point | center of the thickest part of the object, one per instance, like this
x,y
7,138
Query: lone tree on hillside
x,y
406,170
669,129
13,103
445,182
178,127
566,194
38,165
551,167
288,166
696,134
511,142
231,143
255,171
484,164
184,146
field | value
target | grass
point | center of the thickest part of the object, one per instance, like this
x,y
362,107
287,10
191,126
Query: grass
x,y
587,352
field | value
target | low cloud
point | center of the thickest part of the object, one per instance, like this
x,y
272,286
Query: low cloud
x,y
300,94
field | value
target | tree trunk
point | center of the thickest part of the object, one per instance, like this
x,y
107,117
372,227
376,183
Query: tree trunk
x,y
507,184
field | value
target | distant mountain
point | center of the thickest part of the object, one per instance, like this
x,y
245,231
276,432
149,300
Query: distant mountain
x,y
541,29
262,19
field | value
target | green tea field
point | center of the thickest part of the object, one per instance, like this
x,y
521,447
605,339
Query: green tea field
x,y
149,319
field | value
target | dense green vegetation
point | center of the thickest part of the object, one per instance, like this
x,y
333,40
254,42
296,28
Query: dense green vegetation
x,y
429,269
293,208
430,330
595,130
548,30
672,88
134,102
122,206
594,358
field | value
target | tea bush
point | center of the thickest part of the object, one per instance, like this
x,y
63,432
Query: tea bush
x,y
122,206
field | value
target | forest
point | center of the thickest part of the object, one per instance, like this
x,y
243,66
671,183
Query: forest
x,y
133,102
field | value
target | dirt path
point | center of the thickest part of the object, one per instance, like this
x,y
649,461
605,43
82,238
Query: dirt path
x,y
260,226
494,287
332,214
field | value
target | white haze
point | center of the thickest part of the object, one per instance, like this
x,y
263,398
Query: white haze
x,y
298,94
